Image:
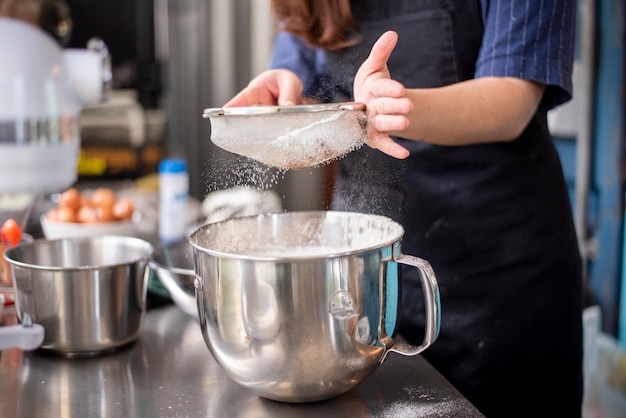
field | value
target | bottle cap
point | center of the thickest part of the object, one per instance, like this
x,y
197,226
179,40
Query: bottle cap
x,y
173,165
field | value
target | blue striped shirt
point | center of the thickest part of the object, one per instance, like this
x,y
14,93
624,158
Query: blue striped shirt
x,y
528,39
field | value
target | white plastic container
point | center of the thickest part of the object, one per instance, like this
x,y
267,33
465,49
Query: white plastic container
x,y
173,200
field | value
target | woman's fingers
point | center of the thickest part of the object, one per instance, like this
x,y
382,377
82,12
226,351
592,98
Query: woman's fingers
x,y
289,88
243,98
383,142
390,123
380,53
387,87
392,106
273,87
385,99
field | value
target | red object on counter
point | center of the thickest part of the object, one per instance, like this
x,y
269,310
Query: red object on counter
x,y
10,235
11,232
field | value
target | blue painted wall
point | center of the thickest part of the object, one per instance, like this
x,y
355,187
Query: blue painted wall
x,y
606,198
607,224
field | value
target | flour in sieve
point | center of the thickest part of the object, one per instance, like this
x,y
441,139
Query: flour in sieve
x,y
312,145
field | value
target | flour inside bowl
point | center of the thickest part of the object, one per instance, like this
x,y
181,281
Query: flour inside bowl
x,y
294,252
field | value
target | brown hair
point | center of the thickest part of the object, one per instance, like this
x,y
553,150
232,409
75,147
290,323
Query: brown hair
x,y
26,10
325,24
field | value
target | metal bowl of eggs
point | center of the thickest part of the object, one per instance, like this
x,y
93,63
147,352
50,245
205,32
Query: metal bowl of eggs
x,y
89,213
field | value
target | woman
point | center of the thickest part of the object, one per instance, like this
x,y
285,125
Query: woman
x,y
459,152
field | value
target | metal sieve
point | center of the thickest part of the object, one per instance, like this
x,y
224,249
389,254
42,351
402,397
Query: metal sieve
x,y
290,137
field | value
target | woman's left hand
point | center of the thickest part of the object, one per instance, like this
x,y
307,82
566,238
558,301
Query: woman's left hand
x,y
272,87
385,99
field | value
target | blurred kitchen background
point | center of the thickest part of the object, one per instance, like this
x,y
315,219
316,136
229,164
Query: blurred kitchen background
x,y
171,60
174,58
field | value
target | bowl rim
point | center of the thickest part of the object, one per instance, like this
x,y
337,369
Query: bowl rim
x,y
148,249
392,241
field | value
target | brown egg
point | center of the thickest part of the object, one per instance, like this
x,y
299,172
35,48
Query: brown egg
x,y
64,214
123,208
52,214
87,214
105,213
82,201
103,197
71,198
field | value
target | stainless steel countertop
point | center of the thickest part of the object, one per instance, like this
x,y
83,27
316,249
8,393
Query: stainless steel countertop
x,y
169,372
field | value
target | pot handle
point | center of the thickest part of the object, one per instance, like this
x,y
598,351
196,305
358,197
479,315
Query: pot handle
x,y
432,304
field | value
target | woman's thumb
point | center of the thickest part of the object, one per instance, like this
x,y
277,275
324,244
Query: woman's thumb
x,y
380,53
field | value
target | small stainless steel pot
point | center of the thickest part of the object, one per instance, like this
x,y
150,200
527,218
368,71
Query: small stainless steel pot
x,y
88,294
303,306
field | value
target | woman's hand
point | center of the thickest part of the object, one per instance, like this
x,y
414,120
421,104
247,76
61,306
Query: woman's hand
x,y
387,106
273,87
443,115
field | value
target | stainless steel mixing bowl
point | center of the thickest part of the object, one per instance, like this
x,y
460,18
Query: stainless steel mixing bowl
x,y
89,294
303,306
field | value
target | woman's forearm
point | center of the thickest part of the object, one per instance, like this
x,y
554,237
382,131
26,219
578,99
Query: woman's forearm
x,y
475,111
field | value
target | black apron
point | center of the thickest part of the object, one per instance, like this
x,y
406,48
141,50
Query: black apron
x,y
494,220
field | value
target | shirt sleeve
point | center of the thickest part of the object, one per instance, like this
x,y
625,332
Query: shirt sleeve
x,y
532,40
292,53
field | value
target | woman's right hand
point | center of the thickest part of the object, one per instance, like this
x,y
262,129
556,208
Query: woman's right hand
x,y
277,87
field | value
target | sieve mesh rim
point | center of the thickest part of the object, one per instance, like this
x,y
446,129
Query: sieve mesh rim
x,y
263,110
290,140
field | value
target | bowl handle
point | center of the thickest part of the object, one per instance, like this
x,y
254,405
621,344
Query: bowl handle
x,y
27,336
432,304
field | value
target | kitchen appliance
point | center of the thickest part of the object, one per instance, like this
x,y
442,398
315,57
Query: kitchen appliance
x,y
44,88
88,294
290,137
303,306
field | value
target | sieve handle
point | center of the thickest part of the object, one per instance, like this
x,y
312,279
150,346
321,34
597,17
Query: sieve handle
x,y
351,106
